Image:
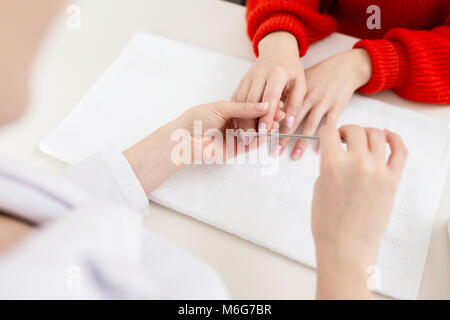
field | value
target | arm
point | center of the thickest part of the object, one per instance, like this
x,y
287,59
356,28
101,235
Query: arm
x,y
127,178
352,203
415,64
153,159
298,17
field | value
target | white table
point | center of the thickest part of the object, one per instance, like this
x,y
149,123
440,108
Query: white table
x,y
72,60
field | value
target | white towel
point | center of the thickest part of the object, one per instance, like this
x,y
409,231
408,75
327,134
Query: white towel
x,y
155,79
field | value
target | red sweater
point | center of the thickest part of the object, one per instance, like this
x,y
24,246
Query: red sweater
x,y
410,53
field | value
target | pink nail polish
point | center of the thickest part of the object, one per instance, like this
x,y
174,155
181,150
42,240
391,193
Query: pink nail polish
x,y
235,124
297,153
262,126
279,147
247,140
290,122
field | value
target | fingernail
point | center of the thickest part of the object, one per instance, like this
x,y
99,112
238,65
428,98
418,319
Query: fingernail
x,y
297,154
247,140
235,124
281,104
290,121
262,126
262,106
279,147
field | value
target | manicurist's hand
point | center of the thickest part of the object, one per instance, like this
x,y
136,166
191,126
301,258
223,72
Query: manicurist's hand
x,y
199,135
352,202
277,72
330,85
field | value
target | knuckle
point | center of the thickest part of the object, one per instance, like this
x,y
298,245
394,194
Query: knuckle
x,y
364,167
402,152
332,169
258,73
279,69
312,122
269,95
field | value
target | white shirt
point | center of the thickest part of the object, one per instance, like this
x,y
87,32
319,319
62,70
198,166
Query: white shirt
x,y
90,243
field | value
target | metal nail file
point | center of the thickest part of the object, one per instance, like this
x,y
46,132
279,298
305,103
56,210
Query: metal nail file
x,y
281,135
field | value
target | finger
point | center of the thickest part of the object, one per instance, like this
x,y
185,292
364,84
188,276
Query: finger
x,y
294,102
272,94
285,130
279,115
241,96
238,90
228,110
331,119
399,152
256,91
355,137
377,142
333,116
309,129
244,90
254,95
235,96
275,126
330,140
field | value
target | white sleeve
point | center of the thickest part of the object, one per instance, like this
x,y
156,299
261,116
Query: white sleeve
x,y
109,177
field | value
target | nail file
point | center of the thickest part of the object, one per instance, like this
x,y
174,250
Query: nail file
x,y
281,135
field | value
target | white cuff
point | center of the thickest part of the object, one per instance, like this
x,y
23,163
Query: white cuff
x,y
108,176
127,180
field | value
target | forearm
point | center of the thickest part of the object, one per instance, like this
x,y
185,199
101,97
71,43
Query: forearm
x,y
278,40
398,64
340,277
300,18
151,158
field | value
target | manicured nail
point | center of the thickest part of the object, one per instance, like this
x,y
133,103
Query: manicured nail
x,y
247,140
290,122
235,124
297,154
262,126
279,147
262,106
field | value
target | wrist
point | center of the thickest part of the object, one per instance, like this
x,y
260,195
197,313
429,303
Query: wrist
x,y
362,66
278,40
356,253
341,275
151,160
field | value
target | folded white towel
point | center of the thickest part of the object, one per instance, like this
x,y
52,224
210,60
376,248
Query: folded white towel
x,y
155,79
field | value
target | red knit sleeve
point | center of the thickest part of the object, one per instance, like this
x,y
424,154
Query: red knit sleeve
x,y
415,64
299,17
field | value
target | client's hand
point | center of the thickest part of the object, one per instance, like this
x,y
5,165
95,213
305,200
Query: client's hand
x,y
276,75
198,135
352,202
330,85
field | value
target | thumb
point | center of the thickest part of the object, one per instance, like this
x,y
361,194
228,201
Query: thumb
x,y
229,110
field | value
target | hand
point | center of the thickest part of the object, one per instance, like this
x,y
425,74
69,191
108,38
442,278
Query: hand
x,y
330,85
202,131
352,202
276,75
214,119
